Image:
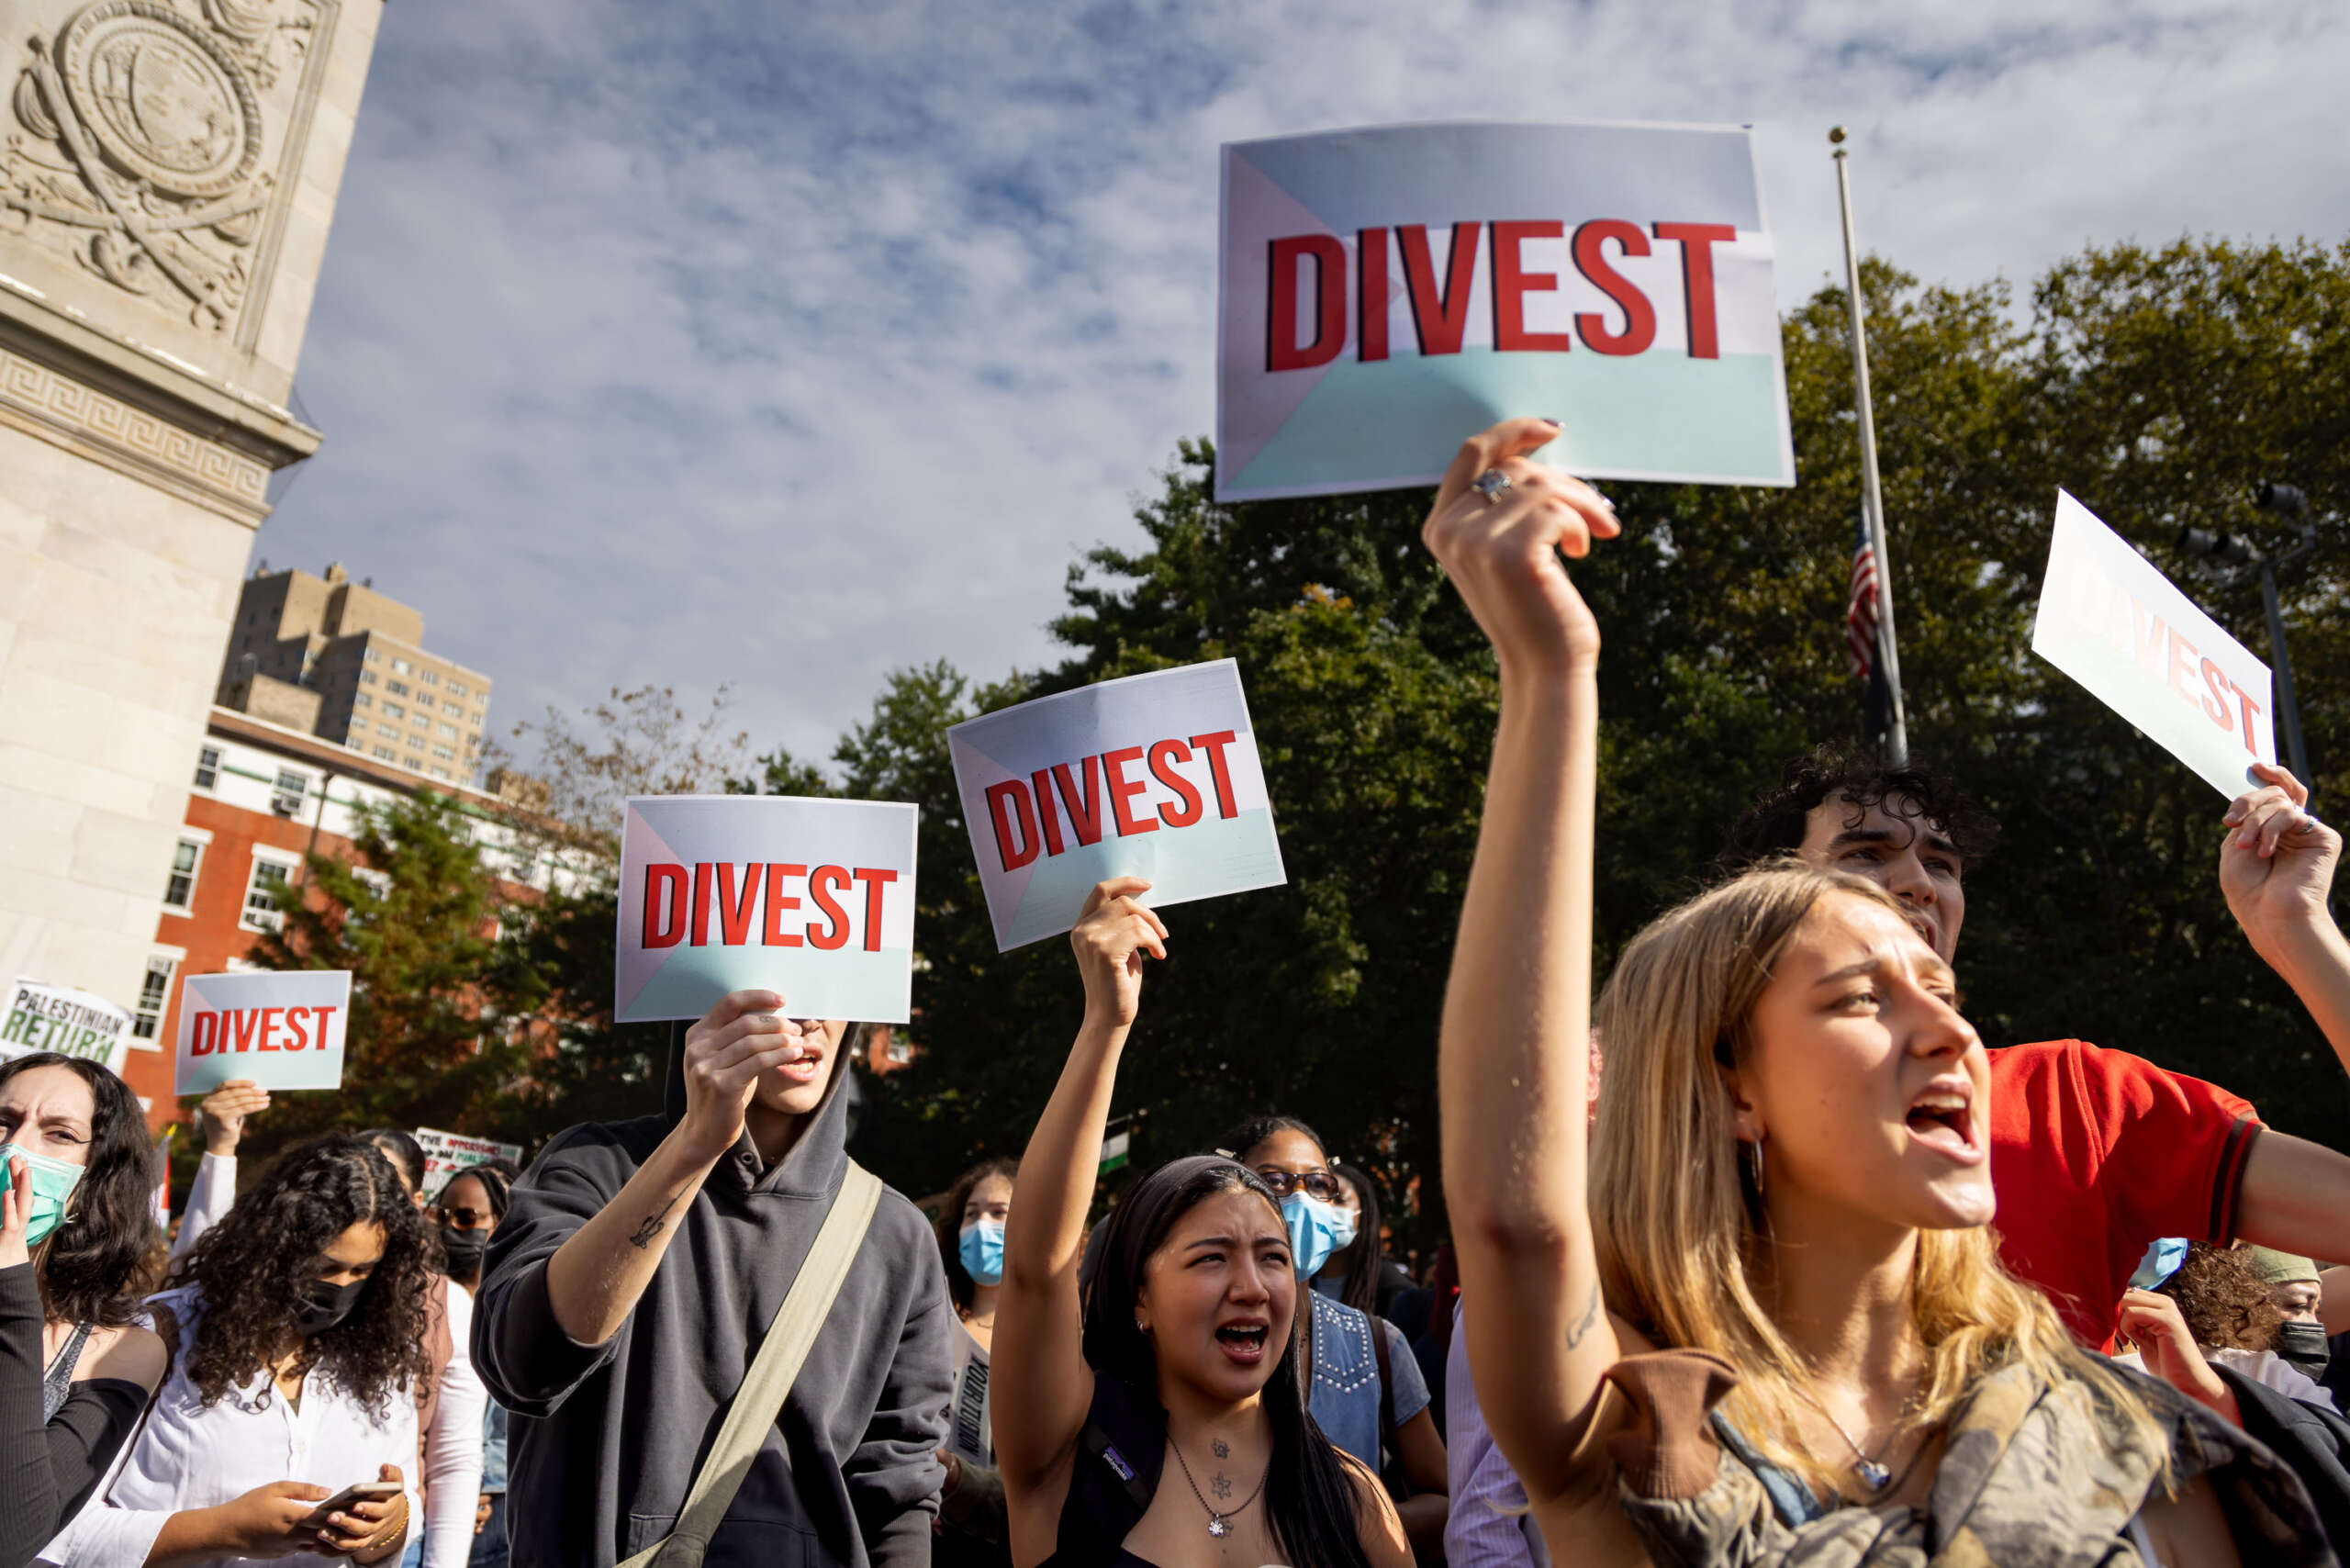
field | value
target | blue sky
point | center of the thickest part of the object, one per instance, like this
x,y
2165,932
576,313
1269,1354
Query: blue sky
x,y
788,343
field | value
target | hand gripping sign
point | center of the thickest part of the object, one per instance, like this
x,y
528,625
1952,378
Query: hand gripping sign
x,y
1385,292
2116,626
282,1029
812,898
1151,775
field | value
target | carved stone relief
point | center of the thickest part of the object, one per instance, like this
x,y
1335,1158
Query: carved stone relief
x,y
139,143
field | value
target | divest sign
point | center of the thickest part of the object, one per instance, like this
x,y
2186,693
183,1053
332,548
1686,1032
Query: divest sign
x,y
280,1029
59,1018
812,898
1388,292
1151,775
2114,623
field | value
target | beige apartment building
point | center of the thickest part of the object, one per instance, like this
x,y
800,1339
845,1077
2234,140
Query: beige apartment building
x,y
338,660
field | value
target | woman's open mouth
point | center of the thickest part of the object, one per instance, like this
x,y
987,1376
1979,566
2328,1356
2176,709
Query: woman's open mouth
x,y
1942,1118
1243,1340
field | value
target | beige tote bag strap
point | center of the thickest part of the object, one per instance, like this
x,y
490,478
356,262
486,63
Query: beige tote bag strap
x,y
759,1400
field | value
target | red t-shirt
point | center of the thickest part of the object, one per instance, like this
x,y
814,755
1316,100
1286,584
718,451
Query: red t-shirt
x,y
2094,1154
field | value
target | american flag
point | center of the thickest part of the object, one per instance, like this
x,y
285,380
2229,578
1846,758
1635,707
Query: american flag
x,y
1859,610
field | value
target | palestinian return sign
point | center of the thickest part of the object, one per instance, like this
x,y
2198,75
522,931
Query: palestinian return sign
x,y
1150,775
812,898
1388,292
59,1018
2115,624
445,1154
281,1028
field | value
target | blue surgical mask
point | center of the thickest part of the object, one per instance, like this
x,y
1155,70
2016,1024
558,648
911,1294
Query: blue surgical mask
x,y
981,1249
52,1181
1316,1229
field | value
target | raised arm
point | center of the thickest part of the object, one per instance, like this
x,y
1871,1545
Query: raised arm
x,y
596,1278
1518,1009
1041,1387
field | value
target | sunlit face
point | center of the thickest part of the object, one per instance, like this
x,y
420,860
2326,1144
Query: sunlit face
x,y
1218,1296
2298,1299
990,1199
797,1087
1893,845
1291,1162
352,1255
50,1111
1871,1094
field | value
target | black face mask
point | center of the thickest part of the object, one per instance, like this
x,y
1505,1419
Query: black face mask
x,y
325,1305
2303,1345
465,1250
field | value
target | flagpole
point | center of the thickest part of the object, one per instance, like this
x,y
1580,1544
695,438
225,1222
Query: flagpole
x,y
1871,495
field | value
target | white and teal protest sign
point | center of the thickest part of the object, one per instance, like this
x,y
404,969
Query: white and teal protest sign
x,y
1387,292
280,1028
2117,626
445,1154
59,1018
811,898
1153,776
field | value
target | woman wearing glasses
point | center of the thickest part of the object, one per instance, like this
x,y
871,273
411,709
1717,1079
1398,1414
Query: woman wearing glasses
x,y
1367,1392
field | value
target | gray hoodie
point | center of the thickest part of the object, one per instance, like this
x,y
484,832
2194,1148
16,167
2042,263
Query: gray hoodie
x,y
605,1438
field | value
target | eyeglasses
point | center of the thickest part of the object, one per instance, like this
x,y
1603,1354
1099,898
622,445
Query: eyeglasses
x,y
1319,1184
468,1219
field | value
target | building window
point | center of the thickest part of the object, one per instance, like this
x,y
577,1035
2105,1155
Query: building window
x,y
393,710
387,754
207,767
368,676
426,677
371,656
293,788
262,912
401,666
441,773
420,721
456,689
397,687
447,732
153,993
181,887
361,699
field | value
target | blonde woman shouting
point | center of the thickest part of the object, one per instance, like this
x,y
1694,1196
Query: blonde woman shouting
x,y
1760,1319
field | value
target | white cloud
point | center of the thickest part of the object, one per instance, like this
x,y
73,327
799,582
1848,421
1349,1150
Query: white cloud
x,y
786,344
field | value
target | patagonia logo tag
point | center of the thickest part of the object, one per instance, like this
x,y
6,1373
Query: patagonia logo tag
x,y
1117,1461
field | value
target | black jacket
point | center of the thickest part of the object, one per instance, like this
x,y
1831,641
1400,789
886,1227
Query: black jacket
x,y
2314,1443
605,1440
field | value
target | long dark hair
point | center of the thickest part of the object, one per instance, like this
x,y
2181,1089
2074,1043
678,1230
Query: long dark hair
x,y
254,1268
1358,1286
1257,1129
1309,1500
93,1267
949,1225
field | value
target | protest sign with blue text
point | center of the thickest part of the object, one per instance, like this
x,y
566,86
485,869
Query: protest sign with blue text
x,y
812,898
282,1029
2115,624
1152,776
1387,292
60,1018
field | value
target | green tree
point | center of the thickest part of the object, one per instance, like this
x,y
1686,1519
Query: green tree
x,y
415,921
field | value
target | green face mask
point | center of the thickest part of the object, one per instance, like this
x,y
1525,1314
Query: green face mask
x,y
52,1181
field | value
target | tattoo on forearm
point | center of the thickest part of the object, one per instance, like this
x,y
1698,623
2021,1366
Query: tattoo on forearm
x,y
653,1226
1590,1316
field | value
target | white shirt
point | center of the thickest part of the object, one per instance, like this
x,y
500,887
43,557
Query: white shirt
x,y
452,1457
189,1455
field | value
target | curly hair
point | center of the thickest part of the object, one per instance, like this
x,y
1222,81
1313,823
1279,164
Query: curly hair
x,y
2226,1305
948,1226
254,1268
1774,824
93,1269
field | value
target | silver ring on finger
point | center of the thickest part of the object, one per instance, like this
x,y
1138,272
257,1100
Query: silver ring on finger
x,y
1491,485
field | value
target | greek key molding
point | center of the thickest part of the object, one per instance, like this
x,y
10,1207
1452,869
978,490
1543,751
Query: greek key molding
x,y
78,416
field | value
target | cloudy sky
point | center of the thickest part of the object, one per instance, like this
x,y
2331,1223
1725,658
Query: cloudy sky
x,y
789,342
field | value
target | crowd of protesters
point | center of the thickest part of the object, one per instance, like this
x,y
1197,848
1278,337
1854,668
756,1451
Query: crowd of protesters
x,y
1724,1289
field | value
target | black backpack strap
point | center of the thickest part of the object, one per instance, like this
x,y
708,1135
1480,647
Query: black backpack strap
x,y
1119,1452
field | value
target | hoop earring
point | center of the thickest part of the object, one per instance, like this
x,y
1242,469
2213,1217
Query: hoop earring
x,y
1749,1160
